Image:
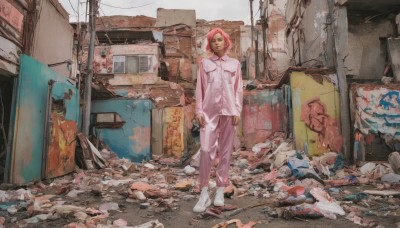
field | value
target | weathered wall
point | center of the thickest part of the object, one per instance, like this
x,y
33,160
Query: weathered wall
x,y
168,17
53,39
277,57
316,113
264,113
376,117
11,30
104,65
367,53
119,21
232,28
132,140
248,54
308,36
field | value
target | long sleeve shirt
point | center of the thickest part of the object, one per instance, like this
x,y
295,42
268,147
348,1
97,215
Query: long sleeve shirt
x,y
219,89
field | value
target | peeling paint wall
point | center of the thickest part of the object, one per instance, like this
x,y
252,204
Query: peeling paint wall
x,y
375,115
277,52
264,113
29,118
316,113
132,140
377,109
103,62
11,41
309,41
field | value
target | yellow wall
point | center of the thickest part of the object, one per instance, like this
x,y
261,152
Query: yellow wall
x,y
304,88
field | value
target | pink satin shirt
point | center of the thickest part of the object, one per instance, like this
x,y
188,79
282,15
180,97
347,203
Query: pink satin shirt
x,y
219,89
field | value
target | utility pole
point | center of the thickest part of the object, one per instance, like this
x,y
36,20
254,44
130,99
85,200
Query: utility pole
x,y
264,28
252,24
88,80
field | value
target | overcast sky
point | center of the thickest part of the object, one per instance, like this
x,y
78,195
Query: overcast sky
x,y
231,10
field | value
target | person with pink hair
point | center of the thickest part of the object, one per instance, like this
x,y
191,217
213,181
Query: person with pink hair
x,y
219,98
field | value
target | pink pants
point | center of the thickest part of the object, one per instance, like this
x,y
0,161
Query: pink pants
x,y
218,133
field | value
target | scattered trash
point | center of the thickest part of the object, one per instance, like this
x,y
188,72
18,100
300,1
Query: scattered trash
x,y
151,224
290,185
394,161
391,177
120,223
237,222
110,206
188,170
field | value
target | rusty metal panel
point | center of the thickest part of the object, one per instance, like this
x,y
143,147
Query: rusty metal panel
x,y
61,133
9,13
29,115
264,113
316,113
173,131
133,139
61,153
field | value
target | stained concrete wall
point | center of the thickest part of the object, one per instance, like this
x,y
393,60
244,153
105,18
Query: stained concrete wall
x,y
367,53
309,40
168,17
53,39
277,57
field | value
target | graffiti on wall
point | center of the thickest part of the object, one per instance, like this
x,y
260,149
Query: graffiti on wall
x,y
315,117
173,144
378,111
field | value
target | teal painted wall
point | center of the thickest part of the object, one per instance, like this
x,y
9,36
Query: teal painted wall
x,y
132,140
29,117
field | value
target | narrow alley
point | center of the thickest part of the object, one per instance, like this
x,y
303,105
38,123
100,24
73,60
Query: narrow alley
x,y
100,123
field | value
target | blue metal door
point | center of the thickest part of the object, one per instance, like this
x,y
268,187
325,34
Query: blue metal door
x,y
29,117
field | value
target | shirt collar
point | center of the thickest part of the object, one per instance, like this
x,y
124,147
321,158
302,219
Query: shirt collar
x,y
215,57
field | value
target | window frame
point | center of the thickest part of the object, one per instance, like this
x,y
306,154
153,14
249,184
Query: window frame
x,y
139,70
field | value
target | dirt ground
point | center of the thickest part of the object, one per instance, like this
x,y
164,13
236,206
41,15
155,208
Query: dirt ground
x,y
183,217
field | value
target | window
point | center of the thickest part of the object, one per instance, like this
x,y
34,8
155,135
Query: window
x,y
108,120
119,64
132,64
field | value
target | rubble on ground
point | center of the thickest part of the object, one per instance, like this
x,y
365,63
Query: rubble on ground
x,y
287,183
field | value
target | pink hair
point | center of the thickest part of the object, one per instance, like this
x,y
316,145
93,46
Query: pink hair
x,y
211,34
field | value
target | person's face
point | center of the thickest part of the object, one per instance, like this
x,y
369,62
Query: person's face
x,y
218,44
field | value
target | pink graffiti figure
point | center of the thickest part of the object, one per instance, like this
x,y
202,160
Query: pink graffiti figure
x,y
313,114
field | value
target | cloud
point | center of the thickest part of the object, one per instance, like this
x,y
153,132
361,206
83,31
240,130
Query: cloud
x,y
231,10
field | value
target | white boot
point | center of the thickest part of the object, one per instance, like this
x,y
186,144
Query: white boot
x,y
219,197
204,201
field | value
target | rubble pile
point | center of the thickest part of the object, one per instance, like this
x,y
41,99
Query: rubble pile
x,y
287,184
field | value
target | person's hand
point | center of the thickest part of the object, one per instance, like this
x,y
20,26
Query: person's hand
x,y
201,120
235,120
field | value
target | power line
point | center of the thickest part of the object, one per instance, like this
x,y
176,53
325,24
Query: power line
x,y
257,12
72,6
133,7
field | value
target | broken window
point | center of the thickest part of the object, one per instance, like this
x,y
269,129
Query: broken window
x,y
108,120
132,64
119,64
